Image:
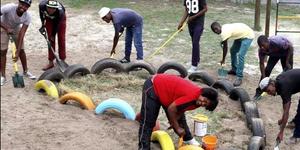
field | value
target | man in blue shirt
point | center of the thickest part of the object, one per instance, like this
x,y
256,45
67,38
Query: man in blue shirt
x,y
133,22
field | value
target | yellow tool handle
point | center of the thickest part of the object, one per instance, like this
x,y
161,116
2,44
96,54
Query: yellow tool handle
x,y
13,47
172,36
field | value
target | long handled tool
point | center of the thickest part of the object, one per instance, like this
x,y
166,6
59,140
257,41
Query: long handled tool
x,y
17,79
277,145
222,73
61,64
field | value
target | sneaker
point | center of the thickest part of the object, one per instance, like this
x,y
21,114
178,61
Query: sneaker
x,y
3,81
231,72
192,142
192,69
293,140
124,60
29,75
237,82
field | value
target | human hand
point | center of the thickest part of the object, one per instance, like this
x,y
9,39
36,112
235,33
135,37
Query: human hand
x,y
15,59
10,31
222,62
42,30
190,19
279,122
279,136
113,51
179,26
287,67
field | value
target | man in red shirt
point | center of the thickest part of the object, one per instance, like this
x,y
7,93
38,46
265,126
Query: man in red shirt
x,y
175,95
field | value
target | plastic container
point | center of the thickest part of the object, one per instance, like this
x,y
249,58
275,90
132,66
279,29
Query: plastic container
x,y
209,142
200,125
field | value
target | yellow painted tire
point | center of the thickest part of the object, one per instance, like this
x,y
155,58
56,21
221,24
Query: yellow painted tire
x,y
47,86
81,98
164,140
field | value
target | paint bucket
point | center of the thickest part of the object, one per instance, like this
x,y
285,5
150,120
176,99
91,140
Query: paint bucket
x,y
200,125
209,142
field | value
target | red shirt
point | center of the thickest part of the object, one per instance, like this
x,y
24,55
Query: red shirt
x,y
171,88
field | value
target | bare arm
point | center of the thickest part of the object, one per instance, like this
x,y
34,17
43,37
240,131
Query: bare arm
x,y
20,39
173,115
284,119
183,18
289,55
225,49
200,13
262,66
116,39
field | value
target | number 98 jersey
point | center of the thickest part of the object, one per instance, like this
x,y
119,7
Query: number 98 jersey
x,y
194,6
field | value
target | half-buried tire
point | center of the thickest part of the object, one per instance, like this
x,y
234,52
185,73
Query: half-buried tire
x,y
175,66
54,75
76,70
241,95
258,128
202,76
251,111
47,87
140,65
224,85
83,99
256,143
116,104
106,63
164,140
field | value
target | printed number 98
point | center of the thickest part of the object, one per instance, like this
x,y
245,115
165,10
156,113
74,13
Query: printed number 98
x,y
192,6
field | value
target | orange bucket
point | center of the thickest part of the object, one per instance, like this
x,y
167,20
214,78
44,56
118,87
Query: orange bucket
x,y
209,142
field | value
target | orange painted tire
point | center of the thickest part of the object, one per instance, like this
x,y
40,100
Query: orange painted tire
x,y
83,99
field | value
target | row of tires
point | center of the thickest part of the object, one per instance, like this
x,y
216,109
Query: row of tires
x,y
56,75
249,107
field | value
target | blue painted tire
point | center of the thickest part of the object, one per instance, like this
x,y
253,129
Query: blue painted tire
x,y
117,104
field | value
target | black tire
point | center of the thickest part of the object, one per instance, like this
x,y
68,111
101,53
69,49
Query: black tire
x,y
256,143
251,111
241,95
137,65
100,65
203,76
224,85
258,128
173,65
76,69
54,75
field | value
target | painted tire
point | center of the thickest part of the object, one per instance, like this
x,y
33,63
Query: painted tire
x,y
117,104
54,75
100,65
173,65
203,76
256,143
258,128
164,140
224,85
157,124
144,65
81,98
251,111
75,70
48,87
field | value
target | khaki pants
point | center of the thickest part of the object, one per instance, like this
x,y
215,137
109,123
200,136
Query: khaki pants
x,y
5,38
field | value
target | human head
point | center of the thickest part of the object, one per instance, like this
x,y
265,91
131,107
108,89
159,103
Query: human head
x,y
263,42
105,15
52,6
268,85
208,99
23,6
216,27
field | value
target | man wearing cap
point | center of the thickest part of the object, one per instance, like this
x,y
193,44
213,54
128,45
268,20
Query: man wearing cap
x,y
175,95
14,22
243,36
53,18
133,22
285,85
277,48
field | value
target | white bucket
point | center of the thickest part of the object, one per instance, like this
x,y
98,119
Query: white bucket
x,y
200,128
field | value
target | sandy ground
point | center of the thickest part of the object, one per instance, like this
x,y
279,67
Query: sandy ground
x,y
30,120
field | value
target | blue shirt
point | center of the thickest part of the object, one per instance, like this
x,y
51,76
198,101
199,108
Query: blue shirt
x,y
123,17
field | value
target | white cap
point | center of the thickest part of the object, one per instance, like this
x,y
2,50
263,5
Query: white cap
x,y
103,11
264,83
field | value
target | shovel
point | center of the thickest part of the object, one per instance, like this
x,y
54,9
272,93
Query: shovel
x,y
222,73
61,64
277,145
17,79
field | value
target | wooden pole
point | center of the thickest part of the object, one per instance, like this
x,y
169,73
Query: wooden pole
x,y
268,11
257,16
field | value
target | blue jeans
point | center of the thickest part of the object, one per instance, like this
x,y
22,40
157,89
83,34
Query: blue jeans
x,y
238,52
134,32
297,122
